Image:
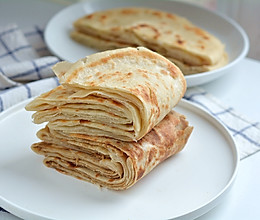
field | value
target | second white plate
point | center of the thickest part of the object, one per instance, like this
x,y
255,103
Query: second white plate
x,y
184,186
230,33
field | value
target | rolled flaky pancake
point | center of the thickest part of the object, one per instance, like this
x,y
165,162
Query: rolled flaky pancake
x,y
120,93
108,162
173,36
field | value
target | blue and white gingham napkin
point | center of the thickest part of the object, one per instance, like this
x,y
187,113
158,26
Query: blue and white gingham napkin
x,y
25,65
25,72
246,133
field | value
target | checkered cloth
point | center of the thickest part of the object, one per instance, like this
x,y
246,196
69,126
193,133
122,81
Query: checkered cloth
x,y
245,132
25,71
25,65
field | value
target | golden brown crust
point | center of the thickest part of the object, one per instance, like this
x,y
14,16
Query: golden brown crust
x,y
110,121
168,34
133,86
127,161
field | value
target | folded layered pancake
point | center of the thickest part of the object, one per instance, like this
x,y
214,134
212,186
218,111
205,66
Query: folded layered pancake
x,y
109,162
193,49
120,94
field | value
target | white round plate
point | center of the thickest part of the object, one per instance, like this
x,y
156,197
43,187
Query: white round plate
x,y
230,33
184,186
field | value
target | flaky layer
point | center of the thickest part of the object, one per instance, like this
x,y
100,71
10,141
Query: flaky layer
x,y
187,69
168,34
110,163
120,93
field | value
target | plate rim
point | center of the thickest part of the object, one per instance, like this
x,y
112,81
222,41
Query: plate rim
x,y
203,209
203,76
235,152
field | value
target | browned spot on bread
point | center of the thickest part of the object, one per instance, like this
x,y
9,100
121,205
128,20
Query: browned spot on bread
x,y
135,151
74,74
156,32
173,70
98,74
84,121
197,31
163,22
88,77
163,72
101,100
62,73
47,94
117,28
168,32
118,104
145,75
102,18
171,16
92,84
145,93
140,173
128,75
128,11
61,96
180,42
152,154
141,91
157,13
89,16
153,98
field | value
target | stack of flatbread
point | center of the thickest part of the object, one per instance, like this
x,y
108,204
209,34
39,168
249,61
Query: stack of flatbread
x,y
110,122
192,49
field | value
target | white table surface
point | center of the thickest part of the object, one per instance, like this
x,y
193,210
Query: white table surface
x,y
239,89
